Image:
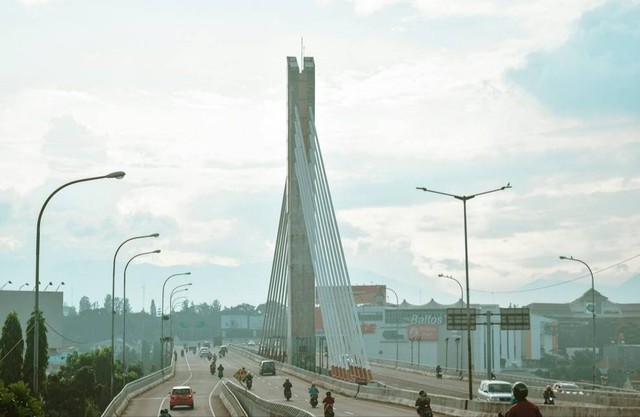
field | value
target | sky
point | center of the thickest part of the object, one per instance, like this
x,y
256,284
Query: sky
x,y
189,99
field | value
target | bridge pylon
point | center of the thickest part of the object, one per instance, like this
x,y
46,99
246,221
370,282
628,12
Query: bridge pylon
x,y
309,269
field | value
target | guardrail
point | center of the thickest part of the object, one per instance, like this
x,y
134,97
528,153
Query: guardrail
x,y
134,388
256,406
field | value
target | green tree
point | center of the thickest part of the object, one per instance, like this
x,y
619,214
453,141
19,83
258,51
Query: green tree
x,y
153,311
43,349
85,304
16,401
11,350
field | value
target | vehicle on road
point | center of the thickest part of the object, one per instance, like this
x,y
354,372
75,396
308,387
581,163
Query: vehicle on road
x,y
181,396
204,352
494,391
267,368
567,388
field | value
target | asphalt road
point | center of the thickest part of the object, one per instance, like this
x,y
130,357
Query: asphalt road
x,y
194,371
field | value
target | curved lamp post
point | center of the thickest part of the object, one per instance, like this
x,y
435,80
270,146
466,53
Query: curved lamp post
x,y
61,283
593,312
124,310
171,308
162,319
464,199
397,323
48,285
113,306
26,283
5,284
461,306
36,334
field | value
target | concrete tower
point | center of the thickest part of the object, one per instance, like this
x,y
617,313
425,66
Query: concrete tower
x,y
301,291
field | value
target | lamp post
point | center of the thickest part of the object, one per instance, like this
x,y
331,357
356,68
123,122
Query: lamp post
x,y
162,318
5,284
36,308
61,283
397,325
26,283
124,310
593,312
461,306
171,308
34,288
47,286
113,306
464,199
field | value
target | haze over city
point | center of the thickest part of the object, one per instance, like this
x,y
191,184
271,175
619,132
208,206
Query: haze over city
x,y
189,99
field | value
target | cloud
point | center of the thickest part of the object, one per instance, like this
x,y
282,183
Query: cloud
x,y
596,72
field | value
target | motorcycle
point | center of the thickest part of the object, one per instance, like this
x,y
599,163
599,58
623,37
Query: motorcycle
x,y
328,411
220,373
439,375
249,382
313,401
212,368
287,393
550,400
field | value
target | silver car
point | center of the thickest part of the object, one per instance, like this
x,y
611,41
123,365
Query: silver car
x,y
494,391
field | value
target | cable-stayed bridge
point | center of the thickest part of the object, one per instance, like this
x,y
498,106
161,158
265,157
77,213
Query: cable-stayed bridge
x,y
309,270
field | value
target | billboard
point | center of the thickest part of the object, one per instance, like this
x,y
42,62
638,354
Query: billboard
x,y
427,332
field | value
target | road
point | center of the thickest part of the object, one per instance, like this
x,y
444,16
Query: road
x,y
194,371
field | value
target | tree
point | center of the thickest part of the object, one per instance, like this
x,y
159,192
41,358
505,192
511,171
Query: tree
x,y
11,350
153,309
15,401
85,304
43,349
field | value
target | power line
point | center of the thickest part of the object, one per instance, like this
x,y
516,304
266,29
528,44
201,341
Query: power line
x,y
560,283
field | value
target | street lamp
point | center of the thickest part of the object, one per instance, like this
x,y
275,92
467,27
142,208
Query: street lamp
x,y
464,199
26,283
593,312
461,306
124,309
162,318
397,325
5,284
36,334
47,286
113,306
61,283
171,308
34,288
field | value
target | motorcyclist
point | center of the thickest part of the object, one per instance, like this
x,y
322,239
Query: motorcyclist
x,y
423,405
220,371
549,395
164,413
438,371
522,407
313,394
248,379
287,388
328,402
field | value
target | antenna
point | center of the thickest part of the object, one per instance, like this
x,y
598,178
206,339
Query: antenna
x,y
302,52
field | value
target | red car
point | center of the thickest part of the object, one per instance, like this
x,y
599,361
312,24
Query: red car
x,y
182,395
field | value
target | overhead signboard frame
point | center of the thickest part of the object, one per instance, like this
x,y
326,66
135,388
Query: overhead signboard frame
x,y
461,319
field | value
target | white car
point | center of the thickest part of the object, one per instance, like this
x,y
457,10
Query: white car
x,y
567,388
494,391
204,352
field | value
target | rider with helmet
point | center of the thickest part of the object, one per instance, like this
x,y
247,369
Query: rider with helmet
x,y
423,405
549,395
522,407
